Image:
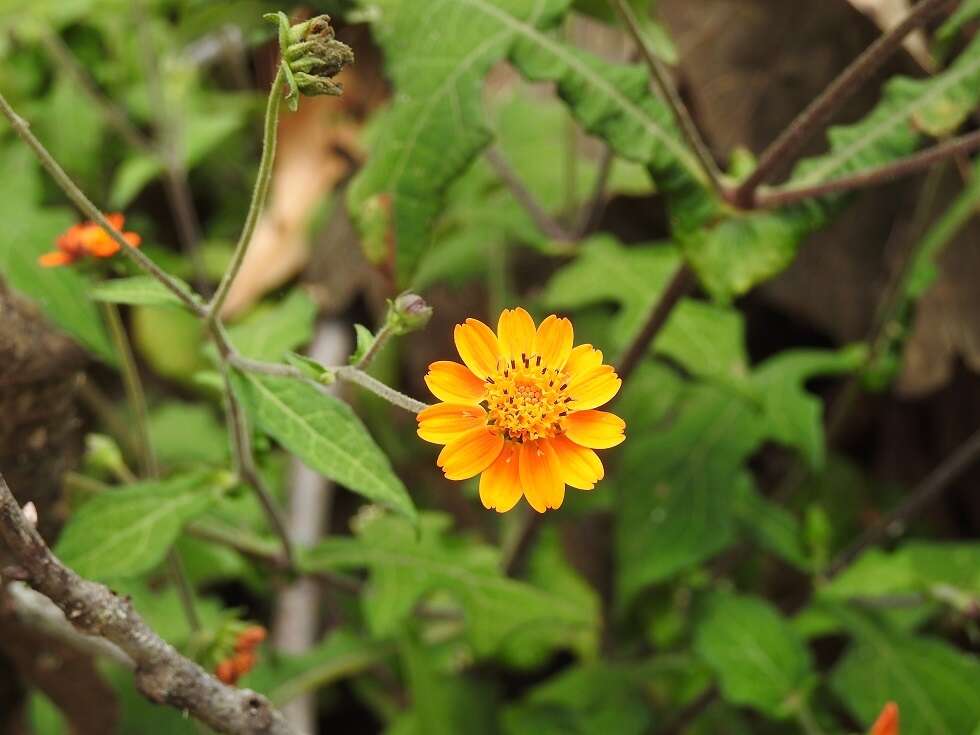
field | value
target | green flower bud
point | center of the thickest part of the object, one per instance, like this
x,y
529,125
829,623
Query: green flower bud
x,y
311,56
408,313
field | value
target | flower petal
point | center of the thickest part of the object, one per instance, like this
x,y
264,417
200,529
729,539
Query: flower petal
x,y
470,453
500,483
583,357
593,387
553,341
887,722
515,331
580,466
56,258
454,383
443,423
478,347
541,475
595,429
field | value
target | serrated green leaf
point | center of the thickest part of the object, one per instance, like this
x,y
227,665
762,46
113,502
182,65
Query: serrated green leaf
x,y
128,531
759,659
326,434
408,564
437,127
933,684
141,290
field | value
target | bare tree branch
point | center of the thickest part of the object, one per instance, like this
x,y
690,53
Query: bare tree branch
x,y
161,674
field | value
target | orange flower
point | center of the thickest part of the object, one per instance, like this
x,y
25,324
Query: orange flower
x,y
87,238
522,411
887,722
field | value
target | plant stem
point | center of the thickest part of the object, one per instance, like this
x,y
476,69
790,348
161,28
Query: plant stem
x,y
597,202
925,493
662,78
808,722
259,194
136,397
782,196
380,340
76,195
241,442
681,284
789,142
542,220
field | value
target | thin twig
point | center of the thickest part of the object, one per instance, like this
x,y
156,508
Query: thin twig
x,y
77,196
380,340
923,495
680,285
261,190
161,674
789,142
597,202
542,220
661,77
782,196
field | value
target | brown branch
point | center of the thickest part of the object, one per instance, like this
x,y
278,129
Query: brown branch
x,y
789,142
680,285
162,675
925,493
779,197
542,220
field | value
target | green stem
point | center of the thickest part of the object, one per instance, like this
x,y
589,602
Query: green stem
x,y
259,194
807,721
78,197
380,340
136,397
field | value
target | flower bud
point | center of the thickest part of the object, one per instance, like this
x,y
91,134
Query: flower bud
x,y
408,313
311,56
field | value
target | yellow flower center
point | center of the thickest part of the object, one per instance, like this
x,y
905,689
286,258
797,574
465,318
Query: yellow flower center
x,y
527,400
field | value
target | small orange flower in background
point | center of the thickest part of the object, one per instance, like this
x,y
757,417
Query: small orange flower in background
x,y
522,411
244,658
87,238
887,722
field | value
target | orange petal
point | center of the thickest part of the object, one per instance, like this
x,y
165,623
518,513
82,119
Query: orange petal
x,y
97,242
445,422
478,347
541,475
553,341
116,219
470,453
454,383
52,260
500,483
887,722
515,330
133,239
593,387
595,429
583,357
580,466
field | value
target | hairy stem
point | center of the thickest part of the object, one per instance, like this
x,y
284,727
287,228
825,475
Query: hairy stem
x,y
259,193
681,284
789,142
78,197
380,340
780,197
662,79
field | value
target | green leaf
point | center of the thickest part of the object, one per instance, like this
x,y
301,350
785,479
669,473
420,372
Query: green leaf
x,y
933,684
326,434
30,231
772,527
141,290
706,340
407,565
759,659
270,332
185,434
128,531
677,486
169,340
436,127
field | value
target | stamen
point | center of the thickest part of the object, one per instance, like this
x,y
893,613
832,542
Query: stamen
x,y
538,361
